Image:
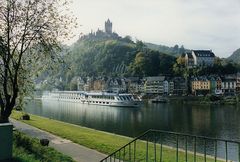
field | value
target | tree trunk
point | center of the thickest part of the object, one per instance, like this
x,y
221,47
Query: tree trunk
x,y
3,119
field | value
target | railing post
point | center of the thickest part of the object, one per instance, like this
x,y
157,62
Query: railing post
x,y
130,152
134,153
147,151
205,151
155,154
177,149
186,148
161,142
195,148
124,153
226,149
119,155
215,150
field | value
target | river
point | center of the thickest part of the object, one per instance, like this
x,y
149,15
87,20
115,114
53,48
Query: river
x,y
219,121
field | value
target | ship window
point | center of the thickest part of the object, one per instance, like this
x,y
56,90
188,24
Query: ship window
x,y
96,101
107,102
100,102
103,102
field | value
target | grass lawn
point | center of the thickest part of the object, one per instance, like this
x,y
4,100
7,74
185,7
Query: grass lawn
x,y
27,149
99,140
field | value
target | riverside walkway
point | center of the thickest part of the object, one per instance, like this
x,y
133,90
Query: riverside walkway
x,y
77,152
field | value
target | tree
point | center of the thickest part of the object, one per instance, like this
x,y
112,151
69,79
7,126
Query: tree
x,y
179,67
30,36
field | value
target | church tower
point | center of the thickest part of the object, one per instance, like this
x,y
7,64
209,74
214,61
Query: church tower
x,y
108,26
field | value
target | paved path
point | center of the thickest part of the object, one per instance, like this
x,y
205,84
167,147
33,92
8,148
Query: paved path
x,y
77,152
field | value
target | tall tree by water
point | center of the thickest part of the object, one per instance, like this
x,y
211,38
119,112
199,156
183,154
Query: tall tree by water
x,y
30,35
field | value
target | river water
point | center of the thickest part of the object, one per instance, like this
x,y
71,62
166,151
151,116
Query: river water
x,y
219,121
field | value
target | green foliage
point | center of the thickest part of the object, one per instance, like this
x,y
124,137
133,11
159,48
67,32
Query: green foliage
x,y
174,51
107,56
24,144
30,36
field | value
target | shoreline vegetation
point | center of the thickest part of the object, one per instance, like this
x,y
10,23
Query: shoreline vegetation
x,y
202,100
101,141
28,149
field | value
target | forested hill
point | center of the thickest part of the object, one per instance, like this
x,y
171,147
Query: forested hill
x,y
235,57
103,55
174,51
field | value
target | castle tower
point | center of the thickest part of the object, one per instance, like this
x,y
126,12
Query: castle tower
x,y
108,26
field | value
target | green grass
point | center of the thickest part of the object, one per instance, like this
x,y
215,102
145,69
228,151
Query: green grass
x,y
21,155
26,149
101,141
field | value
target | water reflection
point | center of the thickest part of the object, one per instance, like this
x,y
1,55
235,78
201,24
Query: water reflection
x,y
214,121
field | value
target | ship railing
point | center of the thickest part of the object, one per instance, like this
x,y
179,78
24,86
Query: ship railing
x,y
160,146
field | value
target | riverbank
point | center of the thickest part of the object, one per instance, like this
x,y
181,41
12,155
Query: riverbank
x,y
201,100
98,140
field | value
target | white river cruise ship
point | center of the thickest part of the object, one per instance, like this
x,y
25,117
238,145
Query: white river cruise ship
x,y
95,98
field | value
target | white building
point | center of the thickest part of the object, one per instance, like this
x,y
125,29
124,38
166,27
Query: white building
x,y
199,58
165,87
229,84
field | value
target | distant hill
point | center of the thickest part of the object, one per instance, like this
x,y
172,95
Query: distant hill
x,y
235,57
101,54
174,51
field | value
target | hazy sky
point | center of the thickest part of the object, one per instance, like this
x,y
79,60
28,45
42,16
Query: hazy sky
x,y
197,24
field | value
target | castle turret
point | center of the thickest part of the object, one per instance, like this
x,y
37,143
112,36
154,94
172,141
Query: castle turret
x,y
108,26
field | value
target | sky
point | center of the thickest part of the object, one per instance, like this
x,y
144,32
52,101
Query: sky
x,y
196,24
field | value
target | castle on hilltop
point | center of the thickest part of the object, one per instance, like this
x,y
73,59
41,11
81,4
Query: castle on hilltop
x,y
108,26
99,34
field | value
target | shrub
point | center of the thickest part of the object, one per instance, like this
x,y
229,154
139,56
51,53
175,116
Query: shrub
x,y
26,117
44,142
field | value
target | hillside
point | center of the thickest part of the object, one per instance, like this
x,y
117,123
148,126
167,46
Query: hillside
x,y
235,57
174,51
104,55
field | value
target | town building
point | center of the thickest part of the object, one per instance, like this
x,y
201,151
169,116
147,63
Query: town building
x,y
135,85
238,83
154,85
199,58
179,86
165,87
117,85
200,85
189,60
80,84
229,84
215,85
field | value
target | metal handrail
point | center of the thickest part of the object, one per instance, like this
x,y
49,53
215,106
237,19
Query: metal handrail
x,y
117,153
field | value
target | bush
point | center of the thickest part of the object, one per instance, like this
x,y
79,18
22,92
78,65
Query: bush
x,y
44,142
26,117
